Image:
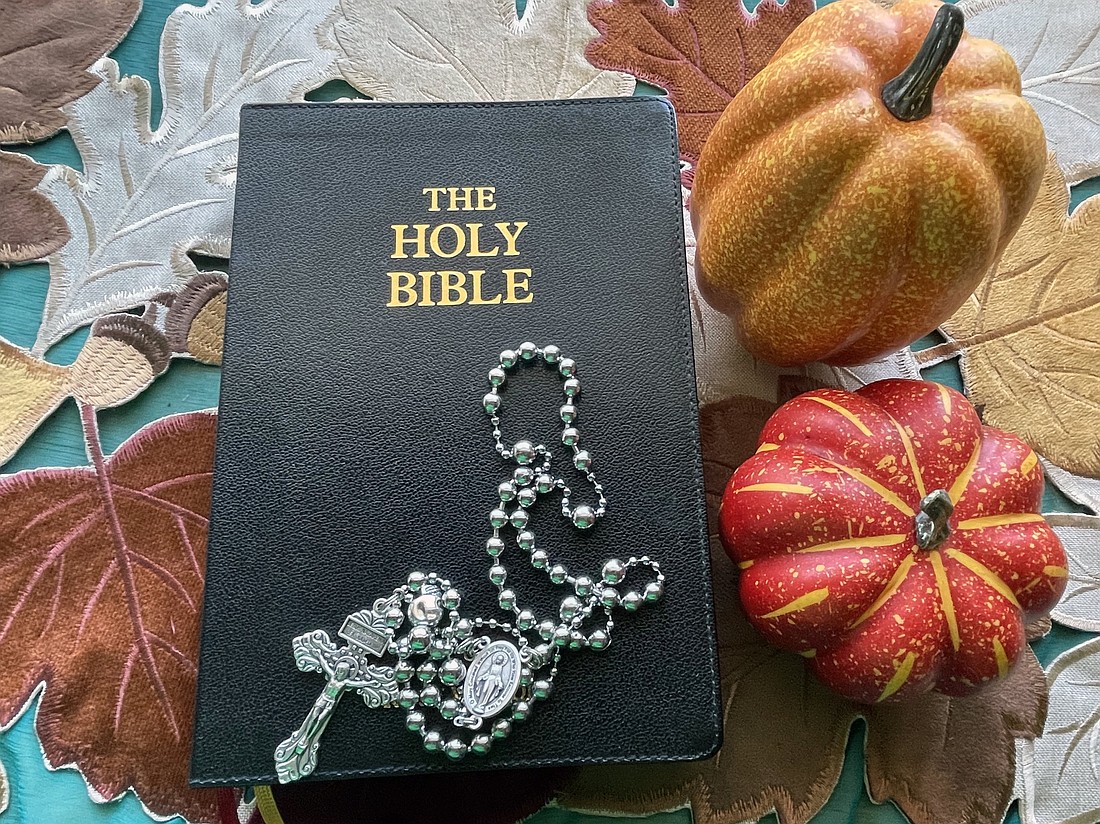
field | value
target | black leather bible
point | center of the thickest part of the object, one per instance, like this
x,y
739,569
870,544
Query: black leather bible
x,y
384,255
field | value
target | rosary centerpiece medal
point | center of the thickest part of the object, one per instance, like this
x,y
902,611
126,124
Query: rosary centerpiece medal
x,y
463,682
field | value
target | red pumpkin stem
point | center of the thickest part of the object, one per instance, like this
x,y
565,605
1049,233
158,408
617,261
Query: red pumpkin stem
x,y
932,526
909,95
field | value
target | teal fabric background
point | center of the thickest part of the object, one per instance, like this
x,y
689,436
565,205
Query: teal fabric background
x,y
39,795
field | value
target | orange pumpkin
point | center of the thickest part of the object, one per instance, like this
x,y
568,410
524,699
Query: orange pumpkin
x,y
853,194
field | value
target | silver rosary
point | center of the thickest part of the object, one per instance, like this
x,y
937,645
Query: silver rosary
x,y
464,682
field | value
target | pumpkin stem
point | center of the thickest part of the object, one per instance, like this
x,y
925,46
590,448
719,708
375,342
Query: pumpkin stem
x,y
909,95
932,527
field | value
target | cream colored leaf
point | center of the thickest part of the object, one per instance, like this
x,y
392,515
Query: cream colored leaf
x,y
1056,44
1080,606
1029,336
148,197
1085,491
425,50
5,788
901,364
1058,774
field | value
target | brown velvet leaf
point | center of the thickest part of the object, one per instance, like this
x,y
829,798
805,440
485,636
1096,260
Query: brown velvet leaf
x,y
30,226
938,759
954,759
100,592
45,48
700,51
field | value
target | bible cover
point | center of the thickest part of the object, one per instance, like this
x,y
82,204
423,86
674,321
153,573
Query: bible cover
x,y
353,449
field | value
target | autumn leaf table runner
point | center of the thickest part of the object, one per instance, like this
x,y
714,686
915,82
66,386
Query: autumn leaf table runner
x,y
118,122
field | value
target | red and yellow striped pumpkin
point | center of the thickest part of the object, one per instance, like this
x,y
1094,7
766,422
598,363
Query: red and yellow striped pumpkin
x,y
892,539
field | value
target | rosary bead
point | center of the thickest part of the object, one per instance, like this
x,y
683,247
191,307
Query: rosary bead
x,y
577,639
525,676
519,518
501,728
407,699
570,436
508,358
480,743
558,574
403,672
498,518
497,574
568,412
506,491
451,599
583,585
539,559
524,453
452,671
654,591
416,580
521,711
541,689
455,749
394,617
419,637
551,353
433,741
598,640
582,460
527,497
561,635
425,609
546,629
567,367
414,721
448,708
463,628
524,474
526,540
570,606
632,600
613,571
527,350
491,402
507,599
494,546
571,388
429,695
544,483
426,671
609,597
439,649
583,517
497,376
525,620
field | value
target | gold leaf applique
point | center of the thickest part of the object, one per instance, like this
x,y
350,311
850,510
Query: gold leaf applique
x,y
1029,336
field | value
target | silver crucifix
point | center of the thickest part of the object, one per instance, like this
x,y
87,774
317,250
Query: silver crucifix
x,y
347,668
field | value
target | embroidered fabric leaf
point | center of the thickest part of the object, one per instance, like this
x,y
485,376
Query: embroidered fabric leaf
x,y
45,48
1029,334
1056,44
700,51
1059,772
149,197
1080,606
30,226
938,759
31,389
954,759
1085,491
100,598
417,50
